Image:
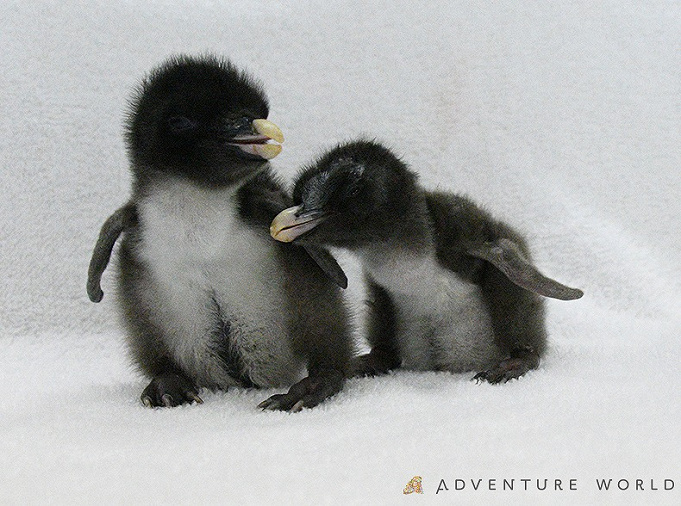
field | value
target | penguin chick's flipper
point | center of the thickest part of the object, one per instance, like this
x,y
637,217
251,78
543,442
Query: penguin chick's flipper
x,y
170,389
307,393
123,218
328,264
506,256
520,361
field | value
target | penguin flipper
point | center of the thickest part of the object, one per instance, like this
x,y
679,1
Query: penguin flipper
x,y
506,256
121,219
328,264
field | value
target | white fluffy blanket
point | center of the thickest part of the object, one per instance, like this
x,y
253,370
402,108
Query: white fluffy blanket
x,y
564,118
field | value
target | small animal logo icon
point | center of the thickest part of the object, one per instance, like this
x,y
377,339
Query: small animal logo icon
x,y
414,486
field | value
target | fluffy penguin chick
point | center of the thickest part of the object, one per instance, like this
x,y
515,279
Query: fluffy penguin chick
x,y
208,299
450,288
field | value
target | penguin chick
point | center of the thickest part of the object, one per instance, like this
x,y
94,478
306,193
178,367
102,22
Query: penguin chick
x,y
208,299
449,287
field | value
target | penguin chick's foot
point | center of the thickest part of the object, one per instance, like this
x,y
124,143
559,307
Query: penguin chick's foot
x,y
170,389
521,361
307,393
375,363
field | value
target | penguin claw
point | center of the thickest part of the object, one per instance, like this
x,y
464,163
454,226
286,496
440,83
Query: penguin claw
x,y
169,390
307,393
298,406
271,404
481,376
374,363
279,402
505,371
195,398
493,377
522,359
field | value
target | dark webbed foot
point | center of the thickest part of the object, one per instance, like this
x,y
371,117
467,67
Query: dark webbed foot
x,y
170,389
307,393
375,363
518,364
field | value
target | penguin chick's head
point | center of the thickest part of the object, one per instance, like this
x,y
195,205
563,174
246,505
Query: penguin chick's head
x,y
201,118
355,194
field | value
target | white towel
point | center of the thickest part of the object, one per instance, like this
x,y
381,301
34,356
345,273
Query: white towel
x,y
563,118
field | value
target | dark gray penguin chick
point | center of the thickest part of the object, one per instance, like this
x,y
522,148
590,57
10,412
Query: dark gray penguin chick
x,y
450,288
208,299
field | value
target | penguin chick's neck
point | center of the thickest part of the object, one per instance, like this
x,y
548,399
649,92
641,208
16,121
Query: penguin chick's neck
x,y
146,178
407,255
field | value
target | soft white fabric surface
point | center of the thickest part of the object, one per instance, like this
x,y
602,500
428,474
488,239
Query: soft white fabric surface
x,y
562,117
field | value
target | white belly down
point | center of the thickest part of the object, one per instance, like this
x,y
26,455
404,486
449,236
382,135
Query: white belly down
x,y
442,321
218,288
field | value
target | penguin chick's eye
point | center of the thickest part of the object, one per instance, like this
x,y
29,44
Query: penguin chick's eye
x,y
353,191
180,124
355,182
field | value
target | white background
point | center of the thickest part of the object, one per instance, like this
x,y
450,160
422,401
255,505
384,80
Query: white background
x,y
564,118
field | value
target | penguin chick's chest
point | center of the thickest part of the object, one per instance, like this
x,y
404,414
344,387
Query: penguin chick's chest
x,y
442,321
219,284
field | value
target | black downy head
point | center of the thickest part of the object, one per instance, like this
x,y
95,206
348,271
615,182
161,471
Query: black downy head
x,y
202,118
354,195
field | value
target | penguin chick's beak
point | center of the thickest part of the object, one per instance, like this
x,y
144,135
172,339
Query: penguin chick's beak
x,y
256,144
293,222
